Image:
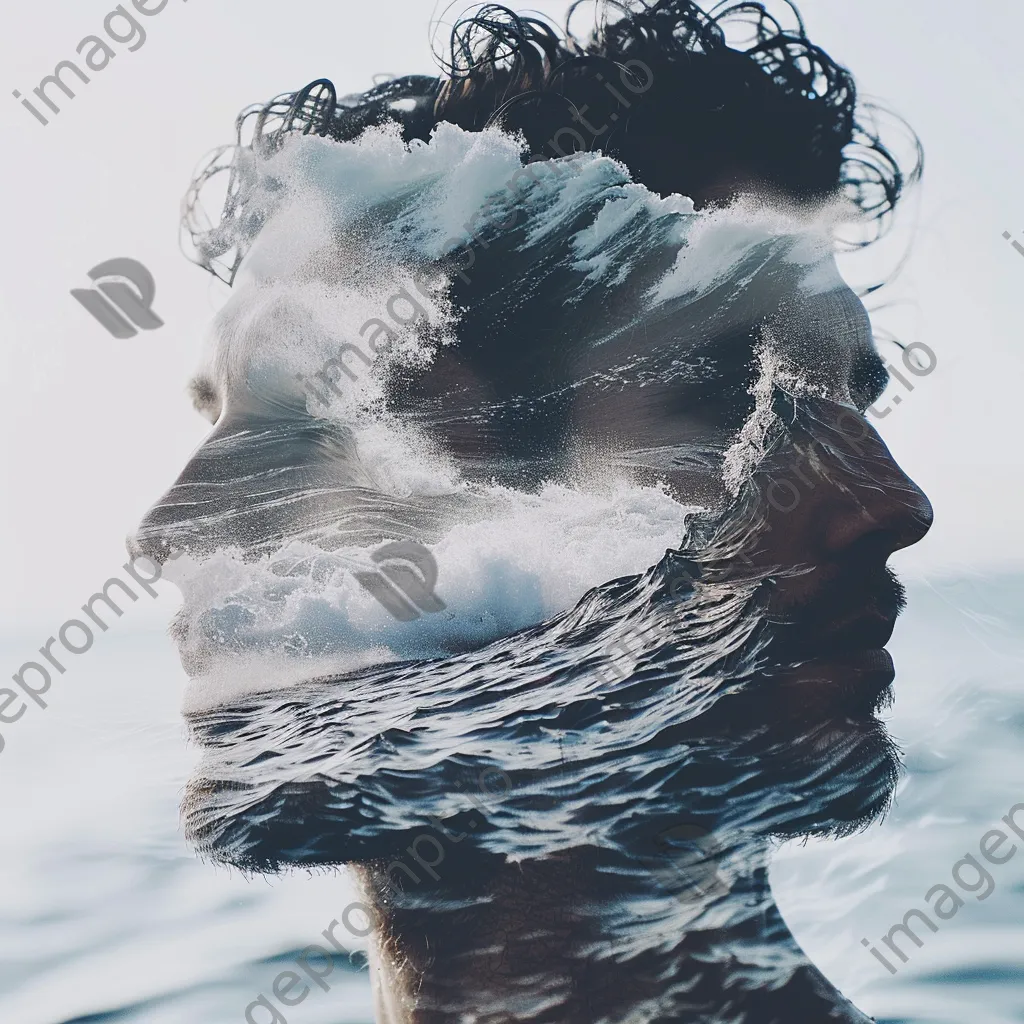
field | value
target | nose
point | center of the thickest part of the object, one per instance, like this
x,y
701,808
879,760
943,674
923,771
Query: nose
x,y
251,483
838,494
196,506
877,498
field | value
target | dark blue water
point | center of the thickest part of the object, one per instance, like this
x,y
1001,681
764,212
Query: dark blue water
x,y
107,914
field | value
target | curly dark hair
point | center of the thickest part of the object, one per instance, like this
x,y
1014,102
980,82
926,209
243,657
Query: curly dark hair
x,y
657,85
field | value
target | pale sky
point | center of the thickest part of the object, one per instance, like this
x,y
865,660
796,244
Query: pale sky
x,y
96,427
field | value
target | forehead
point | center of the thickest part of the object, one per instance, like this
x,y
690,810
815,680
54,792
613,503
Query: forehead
x,y
816,327
631,286
823,333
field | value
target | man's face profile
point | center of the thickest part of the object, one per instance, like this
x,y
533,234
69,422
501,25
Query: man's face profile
x,y
740,404
649,362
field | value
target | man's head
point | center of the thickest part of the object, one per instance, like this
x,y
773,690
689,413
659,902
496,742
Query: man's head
x,y
430,342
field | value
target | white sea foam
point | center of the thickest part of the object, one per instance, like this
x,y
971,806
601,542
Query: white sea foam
x,y
344,228
751,444
302,612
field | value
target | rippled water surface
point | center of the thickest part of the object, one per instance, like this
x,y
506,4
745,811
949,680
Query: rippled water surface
x,y
108,915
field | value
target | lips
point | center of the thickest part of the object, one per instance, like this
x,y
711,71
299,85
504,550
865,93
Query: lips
x,y
868,629
875,661
830,649
800,637
859,682
851,665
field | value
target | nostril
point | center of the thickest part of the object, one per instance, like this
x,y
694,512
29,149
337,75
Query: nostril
x,y
904,515
920,519
885,515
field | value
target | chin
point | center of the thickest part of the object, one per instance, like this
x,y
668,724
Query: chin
x,y
845,771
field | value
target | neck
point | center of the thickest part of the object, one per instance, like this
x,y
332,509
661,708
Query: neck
x,y
588,936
